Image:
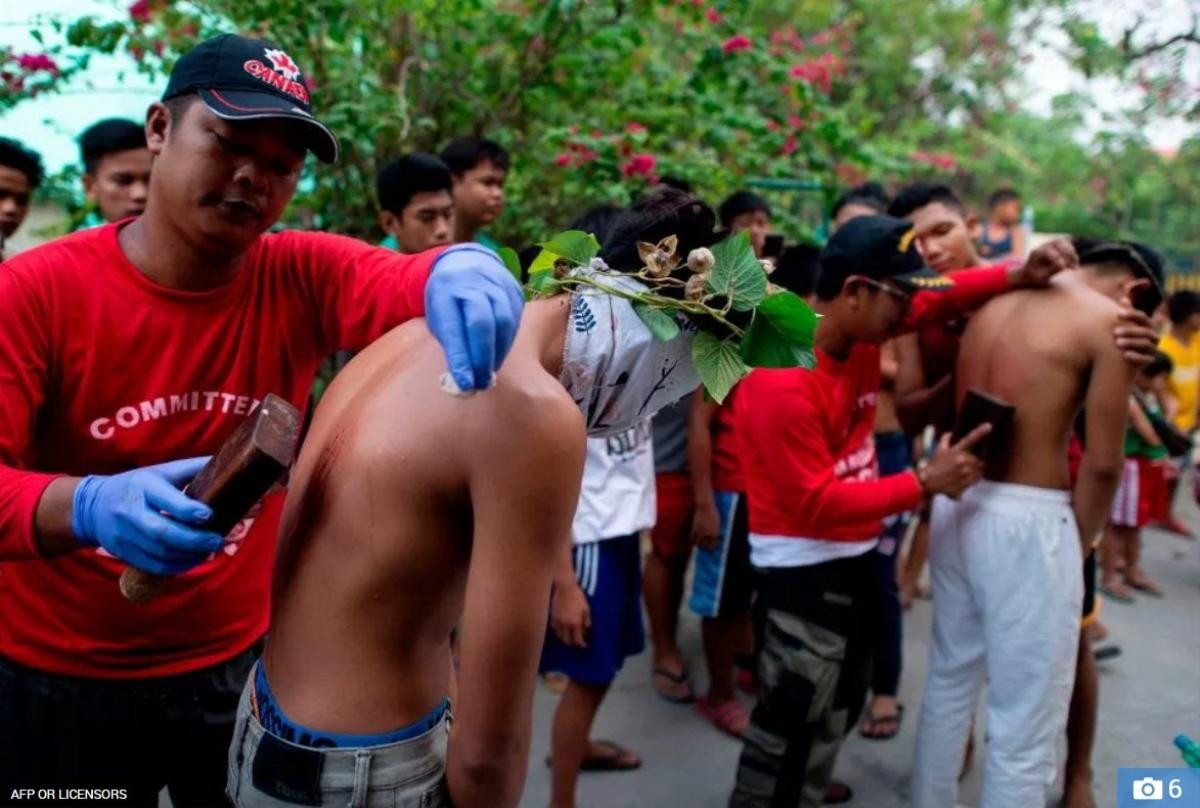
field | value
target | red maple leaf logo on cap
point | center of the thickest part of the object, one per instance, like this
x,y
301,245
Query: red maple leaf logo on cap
x,y
283,64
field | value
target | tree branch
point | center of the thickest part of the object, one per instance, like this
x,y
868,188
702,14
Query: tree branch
x,y
1191,37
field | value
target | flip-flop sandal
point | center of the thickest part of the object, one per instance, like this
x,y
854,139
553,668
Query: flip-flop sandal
x,y
1146,587
680,678
1106,652
1121,596
728,717
606,763
887,720
837,793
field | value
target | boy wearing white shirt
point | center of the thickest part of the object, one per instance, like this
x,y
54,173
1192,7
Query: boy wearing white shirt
x,y
596,613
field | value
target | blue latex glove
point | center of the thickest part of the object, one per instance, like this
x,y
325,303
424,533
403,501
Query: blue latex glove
x,y
143,518
473,307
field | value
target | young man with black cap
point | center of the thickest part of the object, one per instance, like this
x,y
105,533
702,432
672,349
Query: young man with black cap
x,y
816,499
116,169
1006,558
146,341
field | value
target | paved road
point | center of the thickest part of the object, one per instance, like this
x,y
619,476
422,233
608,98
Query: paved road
x,y
1148,695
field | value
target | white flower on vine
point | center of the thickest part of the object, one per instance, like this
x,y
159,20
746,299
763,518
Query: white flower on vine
x,y
700,260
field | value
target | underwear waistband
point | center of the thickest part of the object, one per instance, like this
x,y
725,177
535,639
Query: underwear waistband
x,y
273,720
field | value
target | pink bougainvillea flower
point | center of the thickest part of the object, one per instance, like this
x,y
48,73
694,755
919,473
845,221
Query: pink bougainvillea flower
x,y
820,40
736,43
633,128
713,15
789,146
33,62
140,11
796,122
640,165
772,125
562,160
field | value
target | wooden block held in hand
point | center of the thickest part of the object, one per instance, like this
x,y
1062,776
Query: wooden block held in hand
x,y
250,461
981,408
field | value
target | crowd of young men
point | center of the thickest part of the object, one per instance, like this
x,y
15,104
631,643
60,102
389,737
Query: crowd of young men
x,y
411,516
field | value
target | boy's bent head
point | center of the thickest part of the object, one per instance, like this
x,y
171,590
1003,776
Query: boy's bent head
x,y
1123,269
943,225
415,205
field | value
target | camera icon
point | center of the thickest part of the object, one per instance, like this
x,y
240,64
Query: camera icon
x,y
1147,788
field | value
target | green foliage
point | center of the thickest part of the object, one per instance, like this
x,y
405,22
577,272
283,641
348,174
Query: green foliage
x,y
598,99
512,261
737,274
781,335
661,324
718,363
574,245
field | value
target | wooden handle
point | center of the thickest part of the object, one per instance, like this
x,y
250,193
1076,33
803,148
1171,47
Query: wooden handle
x,y
141,587
248,463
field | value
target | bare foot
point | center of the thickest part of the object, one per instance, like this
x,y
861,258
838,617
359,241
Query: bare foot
x,y
1078,793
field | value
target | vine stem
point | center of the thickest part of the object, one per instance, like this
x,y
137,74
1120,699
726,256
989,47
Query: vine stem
x,y
658,301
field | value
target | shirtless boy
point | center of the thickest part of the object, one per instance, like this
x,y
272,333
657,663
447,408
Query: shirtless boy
x,y
410,512
1005,558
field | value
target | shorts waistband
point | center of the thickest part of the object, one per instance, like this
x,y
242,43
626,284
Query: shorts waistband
x,y
273,720
1026,496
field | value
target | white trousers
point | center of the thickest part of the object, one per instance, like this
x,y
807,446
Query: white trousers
x,y
1007,593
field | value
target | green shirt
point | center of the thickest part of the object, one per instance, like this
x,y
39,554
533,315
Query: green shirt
x,y
1135,444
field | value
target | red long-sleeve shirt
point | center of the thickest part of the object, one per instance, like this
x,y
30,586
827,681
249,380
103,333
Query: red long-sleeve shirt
x,y
102,370
808,450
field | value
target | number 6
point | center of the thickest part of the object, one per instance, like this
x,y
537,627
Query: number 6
x,y
1175,790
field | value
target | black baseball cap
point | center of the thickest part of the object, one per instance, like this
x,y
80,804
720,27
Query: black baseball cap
x,y
241,79
1142,261
881,248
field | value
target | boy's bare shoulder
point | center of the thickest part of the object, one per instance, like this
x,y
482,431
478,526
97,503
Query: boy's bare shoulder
x,y
529,411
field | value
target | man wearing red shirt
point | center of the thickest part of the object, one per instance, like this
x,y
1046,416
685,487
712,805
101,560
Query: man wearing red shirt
x,y
148,340
816,499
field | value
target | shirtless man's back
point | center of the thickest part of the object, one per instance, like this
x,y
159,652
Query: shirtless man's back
x,y
409,509
1038,350
1006,559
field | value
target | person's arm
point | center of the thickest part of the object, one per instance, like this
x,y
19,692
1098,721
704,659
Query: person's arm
x,y
1106,404
524,487
972,288
138,516
917,402
359,291
570,614
788,429
706,521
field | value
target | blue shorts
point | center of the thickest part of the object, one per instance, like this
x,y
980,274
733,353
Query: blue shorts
x,y
723,580
610,574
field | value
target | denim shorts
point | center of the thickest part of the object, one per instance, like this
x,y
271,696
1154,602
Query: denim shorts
x,y
265,770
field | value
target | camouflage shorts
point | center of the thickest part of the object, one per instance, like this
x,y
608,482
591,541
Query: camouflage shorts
x,y
814,667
